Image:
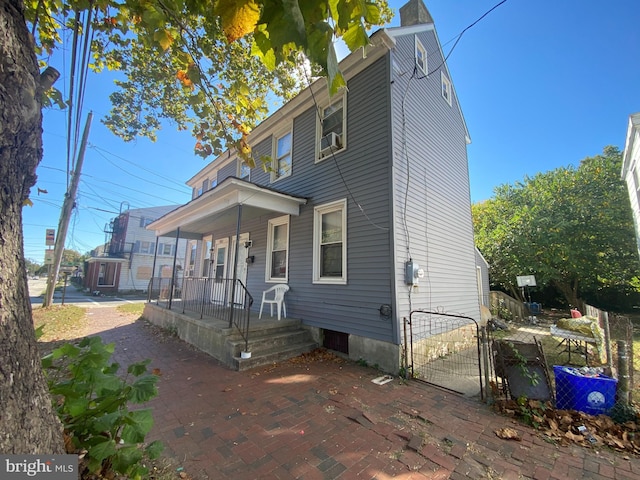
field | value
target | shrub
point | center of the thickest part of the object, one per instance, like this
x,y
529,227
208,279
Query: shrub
x,y
92,402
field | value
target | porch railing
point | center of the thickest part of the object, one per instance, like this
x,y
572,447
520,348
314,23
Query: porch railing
x,y
221,298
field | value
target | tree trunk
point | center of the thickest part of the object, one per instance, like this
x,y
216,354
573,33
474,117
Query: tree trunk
x,y
28,423
570,292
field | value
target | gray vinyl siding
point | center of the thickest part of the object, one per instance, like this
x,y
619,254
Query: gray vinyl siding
x,y
432,211
229,170
363,172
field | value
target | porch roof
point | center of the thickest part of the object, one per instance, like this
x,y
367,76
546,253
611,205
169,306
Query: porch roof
x,y
218,205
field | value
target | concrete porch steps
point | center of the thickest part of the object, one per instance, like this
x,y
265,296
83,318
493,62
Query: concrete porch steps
x,y
271,347
272,355
270,340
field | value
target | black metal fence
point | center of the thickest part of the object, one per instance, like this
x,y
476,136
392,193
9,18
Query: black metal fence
x,y
219,298
444,350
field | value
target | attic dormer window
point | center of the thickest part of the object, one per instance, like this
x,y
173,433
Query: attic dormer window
x,y
446,88
421,57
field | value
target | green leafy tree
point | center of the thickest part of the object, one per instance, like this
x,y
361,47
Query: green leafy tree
x,y
179,41
72,257
32,266
570,227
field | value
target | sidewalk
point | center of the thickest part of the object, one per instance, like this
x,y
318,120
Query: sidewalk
x,y
321,417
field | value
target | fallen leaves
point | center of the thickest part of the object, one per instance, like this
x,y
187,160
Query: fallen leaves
x,y
570,426
508,434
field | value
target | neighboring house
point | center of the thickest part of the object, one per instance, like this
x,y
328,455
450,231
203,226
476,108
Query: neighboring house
x,y
127,261
631,169
365,209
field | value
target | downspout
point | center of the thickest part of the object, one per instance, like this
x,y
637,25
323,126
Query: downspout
x,y
173,272
153,268
235,265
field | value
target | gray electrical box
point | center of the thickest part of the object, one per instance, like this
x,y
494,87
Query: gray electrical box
x,y
411,274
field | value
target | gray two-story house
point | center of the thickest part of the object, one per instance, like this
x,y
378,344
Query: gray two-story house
x,y
364,209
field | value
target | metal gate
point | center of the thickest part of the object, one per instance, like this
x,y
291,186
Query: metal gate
x,y
444,350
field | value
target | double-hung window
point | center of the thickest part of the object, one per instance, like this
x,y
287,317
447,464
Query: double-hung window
x,y
446,88
281,157
244,171
277,249
330,243
147,247
421,57
167,249
332,127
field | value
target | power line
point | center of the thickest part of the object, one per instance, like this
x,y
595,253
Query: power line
x,y
95,147
146,180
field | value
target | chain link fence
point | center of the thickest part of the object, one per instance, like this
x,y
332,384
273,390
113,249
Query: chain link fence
x,y
576,362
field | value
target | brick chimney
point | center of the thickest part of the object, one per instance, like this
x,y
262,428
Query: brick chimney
x,y
414,13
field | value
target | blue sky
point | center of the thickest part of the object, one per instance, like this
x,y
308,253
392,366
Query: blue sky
x,y
542,84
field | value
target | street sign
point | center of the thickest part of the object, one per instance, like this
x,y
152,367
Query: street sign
x,y
48,257
51,237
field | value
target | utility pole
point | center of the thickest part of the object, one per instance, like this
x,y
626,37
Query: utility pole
x,y
65,216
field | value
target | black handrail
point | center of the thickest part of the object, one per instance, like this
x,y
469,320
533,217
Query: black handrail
x,y
209,297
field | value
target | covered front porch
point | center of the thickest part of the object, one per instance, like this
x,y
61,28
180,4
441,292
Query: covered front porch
x,y
210,305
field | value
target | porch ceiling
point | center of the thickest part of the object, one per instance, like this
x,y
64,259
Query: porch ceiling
x,y
219,206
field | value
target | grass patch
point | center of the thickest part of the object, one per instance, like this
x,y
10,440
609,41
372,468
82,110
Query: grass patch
x,y
132,308
60,322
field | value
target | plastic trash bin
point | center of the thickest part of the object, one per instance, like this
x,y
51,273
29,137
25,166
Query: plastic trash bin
x,y
533,307
592,394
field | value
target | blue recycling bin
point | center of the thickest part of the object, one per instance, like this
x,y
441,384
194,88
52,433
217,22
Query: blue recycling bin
x,y
533,307
591,394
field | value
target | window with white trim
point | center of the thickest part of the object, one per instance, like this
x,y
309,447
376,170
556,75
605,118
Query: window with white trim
x,y
165,249
147,247
281,157
332,127
191,260
277,249
330,243
421,57
446,88
244,170
107,274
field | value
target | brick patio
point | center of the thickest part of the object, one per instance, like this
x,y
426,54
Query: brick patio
x,y
323,418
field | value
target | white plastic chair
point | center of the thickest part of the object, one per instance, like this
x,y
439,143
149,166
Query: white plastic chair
x,y
278,299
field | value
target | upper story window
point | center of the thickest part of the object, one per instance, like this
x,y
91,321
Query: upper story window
x,y
281,157
332,132
144,221
636,175
244,171
421,57
277,249
206,185
446,88
330,243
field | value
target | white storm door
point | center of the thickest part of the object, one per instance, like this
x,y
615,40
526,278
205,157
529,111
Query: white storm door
x,y
242,269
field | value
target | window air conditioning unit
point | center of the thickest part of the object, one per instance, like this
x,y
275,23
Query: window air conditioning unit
x,y
331,142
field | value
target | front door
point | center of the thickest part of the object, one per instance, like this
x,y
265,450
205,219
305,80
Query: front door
x,y
220,258
241,266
